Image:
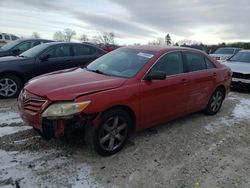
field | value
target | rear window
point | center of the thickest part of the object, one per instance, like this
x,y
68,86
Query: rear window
x,y
224,51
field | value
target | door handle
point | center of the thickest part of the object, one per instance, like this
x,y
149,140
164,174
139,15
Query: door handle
x,y
68,61
214,74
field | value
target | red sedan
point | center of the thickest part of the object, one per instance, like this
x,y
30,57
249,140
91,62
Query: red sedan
x,y
125,91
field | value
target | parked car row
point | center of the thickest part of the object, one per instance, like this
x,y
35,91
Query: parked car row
x,y
6,37
68,89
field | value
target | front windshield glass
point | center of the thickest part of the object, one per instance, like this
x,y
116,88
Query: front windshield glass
x,y
123,62
10,45
224,51
241,57
33,52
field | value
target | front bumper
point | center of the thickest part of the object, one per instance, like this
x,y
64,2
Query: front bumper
x,y
31,108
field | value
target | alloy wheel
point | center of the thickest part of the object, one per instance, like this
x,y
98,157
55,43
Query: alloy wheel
x,y
8,87
216,101
113,133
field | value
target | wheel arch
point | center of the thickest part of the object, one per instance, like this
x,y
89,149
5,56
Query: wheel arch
x,y
16,74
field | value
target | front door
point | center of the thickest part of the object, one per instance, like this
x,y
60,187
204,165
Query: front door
x,y
162,100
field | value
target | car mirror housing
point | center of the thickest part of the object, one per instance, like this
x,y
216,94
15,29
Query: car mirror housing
x,y
44,57
155,75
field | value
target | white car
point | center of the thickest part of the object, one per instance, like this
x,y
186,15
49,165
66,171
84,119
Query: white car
x,y
240,66
5,38
222,54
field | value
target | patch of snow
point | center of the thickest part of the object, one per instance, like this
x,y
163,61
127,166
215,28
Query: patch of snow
x,y
242,110
45,169
221,122
11,130
9,117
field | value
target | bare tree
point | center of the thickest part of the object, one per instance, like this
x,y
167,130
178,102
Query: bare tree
x,y
158,41
68,34
105,38
58,36
84,38
65,35
35,35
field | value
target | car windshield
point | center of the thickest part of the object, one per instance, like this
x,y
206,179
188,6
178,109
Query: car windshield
x,y
123,62
33,52
10,45
224,51
241,57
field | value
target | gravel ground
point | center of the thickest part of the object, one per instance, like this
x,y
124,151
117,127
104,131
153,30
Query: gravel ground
x,y
194,151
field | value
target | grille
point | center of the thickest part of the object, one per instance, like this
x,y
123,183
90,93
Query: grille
x,y
34,105
240,75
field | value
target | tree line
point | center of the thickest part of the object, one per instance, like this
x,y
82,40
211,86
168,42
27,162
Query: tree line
x,y
109,38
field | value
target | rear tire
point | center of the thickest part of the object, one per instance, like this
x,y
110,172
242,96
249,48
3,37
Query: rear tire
x,y
215,102
10,86
112,134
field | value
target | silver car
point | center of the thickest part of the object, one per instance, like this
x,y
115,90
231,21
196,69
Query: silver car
x,y
222,54
240,66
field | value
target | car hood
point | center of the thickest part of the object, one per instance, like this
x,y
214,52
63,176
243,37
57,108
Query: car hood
x,y
12,58
71,83
239,67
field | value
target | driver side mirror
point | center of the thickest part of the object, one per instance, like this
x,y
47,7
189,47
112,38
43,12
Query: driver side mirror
x,y
155,75
16,51
44,57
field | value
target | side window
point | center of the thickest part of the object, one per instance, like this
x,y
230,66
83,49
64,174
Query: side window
x,y
23,47
171,64
1,37
80,50
59,51
7,37
209,64
36,43
195,61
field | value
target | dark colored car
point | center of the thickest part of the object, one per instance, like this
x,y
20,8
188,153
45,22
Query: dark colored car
x,y
126,90
240,66
15,71
19,46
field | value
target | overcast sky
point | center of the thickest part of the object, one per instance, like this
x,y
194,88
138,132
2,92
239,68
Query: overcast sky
x,y
132,21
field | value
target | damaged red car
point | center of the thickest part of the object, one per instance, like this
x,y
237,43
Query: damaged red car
x,y
125,91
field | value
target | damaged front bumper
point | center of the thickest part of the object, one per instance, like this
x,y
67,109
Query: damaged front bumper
x,y
31,108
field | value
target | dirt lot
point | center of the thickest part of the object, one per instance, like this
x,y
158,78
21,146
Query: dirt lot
x,y
194,151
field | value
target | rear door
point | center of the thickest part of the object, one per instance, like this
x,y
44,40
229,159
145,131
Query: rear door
x,y
202,78
162,100
84,54
60,57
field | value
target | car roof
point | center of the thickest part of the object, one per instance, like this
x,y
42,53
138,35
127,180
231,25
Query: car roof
x,y
55,43
230,48
160,48
23,40
245,51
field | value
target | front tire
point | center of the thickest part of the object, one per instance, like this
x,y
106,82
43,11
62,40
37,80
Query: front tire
x,y
215,102
10,86
112,133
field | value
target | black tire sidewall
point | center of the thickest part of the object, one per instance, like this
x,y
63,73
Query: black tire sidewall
x,y
18,83
107,115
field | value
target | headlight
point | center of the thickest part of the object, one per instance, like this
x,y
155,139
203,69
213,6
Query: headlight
x,y
62,109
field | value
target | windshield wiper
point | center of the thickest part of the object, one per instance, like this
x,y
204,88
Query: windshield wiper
x,y
96,71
